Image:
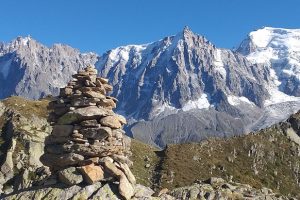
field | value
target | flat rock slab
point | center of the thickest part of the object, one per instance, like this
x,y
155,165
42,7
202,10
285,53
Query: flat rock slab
x,y
92,173
96,133
86,113
62,130
62,160
111,121
70,176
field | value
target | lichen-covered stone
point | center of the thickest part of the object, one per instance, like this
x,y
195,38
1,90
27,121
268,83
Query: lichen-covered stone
x,y
70,176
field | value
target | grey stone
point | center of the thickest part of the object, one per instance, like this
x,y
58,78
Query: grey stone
x,y
61,160
111,121
62,130
70,176
96,133
80,114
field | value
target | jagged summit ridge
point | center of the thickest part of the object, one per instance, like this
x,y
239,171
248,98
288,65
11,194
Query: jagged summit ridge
x,y
30,69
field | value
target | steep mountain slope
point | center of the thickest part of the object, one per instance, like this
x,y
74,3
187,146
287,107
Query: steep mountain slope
x,y
184,83
185,72
279,49
32,70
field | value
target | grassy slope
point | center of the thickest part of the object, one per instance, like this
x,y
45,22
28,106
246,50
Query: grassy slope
x,y
142,155
26,107
270,153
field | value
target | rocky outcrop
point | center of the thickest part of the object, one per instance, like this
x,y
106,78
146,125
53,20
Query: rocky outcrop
x,y
22,139
33,70
87,143
214,188
217,188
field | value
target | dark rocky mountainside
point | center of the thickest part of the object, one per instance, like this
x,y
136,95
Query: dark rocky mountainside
x,y
269,158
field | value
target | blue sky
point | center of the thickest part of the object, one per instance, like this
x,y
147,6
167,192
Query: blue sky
x,y
99,25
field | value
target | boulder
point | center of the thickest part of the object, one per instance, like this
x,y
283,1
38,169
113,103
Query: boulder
x,y
124,167
85,113
96,133
125,188
112,169
62,130
90,123
62,160
92,173
70,176
107,103
94,94
111,121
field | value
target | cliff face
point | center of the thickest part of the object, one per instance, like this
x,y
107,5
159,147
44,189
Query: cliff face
x,y
269,158
32,70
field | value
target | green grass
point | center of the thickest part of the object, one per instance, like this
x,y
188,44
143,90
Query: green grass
x,y
28,107
269,156
143,154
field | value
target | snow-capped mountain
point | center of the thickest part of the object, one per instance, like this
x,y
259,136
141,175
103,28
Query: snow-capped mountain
x,y
184,72
30,69
179,89
279,49
186,89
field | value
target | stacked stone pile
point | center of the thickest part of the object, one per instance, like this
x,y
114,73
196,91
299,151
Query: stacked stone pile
x,y
87,144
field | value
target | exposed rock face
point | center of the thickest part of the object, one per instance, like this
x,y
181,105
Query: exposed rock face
x,y
82,139
22,137
184,84
217,188
32,70
207,190
184,71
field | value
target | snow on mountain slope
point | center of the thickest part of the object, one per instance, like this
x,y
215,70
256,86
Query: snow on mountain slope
x,y
180,72
279,49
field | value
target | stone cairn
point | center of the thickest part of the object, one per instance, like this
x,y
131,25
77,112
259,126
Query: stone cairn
x,y
87,144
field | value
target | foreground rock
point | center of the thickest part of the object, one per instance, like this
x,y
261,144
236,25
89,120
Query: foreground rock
x,y
210,189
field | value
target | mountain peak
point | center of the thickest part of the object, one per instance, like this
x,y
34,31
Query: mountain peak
x,y
22,40
186,32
